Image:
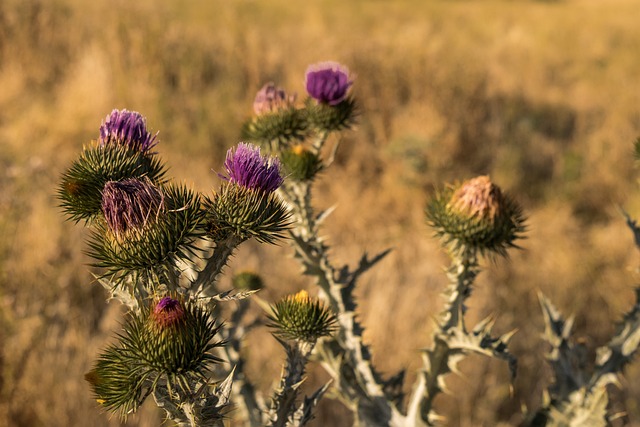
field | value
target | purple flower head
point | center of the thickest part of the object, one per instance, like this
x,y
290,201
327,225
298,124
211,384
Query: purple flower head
x,y
271,98
167,312
328,82
127,128
129,205
247,168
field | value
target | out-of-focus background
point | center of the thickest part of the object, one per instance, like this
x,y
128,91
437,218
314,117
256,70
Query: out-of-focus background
x,y
542,95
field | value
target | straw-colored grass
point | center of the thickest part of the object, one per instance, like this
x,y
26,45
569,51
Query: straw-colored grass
x,y
543,96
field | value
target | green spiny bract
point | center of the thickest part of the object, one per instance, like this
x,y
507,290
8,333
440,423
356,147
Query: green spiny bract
x,y
301,318
169,342
80,190
299,163
331,118
245,213
116,382
280,127
167,237
476,215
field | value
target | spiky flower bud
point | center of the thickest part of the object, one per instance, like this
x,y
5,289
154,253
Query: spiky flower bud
x,y
277,120
249,169
302,318
246,206
477,215
245,213
247,281
299,163
174,337
129,205
126,128
172,341
167,313
328,82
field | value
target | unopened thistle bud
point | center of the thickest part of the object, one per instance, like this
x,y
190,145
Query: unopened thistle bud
x,y
302,318
247,281
129,205
477,215
299,163
167,313
172,341
126,128
249,169
329,107
174,338
277,120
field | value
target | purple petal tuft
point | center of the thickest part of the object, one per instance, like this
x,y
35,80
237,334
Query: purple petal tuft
x,y
248,168
126,128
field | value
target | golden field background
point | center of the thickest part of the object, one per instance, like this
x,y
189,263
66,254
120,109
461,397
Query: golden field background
x,y
543,96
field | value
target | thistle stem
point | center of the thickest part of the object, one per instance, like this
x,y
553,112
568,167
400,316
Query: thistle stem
x,y
349,364
292,375
462,273
205,283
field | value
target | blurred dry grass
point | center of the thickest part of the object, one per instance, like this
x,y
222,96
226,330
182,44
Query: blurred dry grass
x,y
544,96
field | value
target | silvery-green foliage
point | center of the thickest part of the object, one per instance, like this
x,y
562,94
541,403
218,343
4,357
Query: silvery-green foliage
x,y
162,247
578,396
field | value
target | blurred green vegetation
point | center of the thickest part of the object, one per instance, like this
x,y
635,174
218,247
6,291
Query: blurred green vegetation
x,y
543,96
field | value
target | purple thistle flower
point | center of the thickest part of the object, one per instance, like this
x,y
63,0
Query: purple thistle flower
x,y
247,168
128,128
128,205
167,312
271,98
328,82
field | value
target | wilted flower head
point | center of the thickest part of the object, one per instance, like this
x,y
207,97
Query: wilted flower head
x,y
248,168
128,205
271,99
126,128
302,318
328,82
167,312
478,197
477,215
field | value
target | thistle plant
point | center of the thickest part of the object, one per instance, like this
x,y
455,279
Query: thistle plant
x,y
160,249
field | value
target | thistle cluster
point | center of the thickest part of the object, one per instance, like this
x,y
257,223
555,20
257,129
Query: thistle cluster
x,y
161,246
151,237
279,122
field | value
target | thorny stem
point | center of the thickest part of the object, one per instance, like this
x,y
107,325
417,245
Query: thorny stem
x,y
292,375
462,274
243,390
365,389
205,283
